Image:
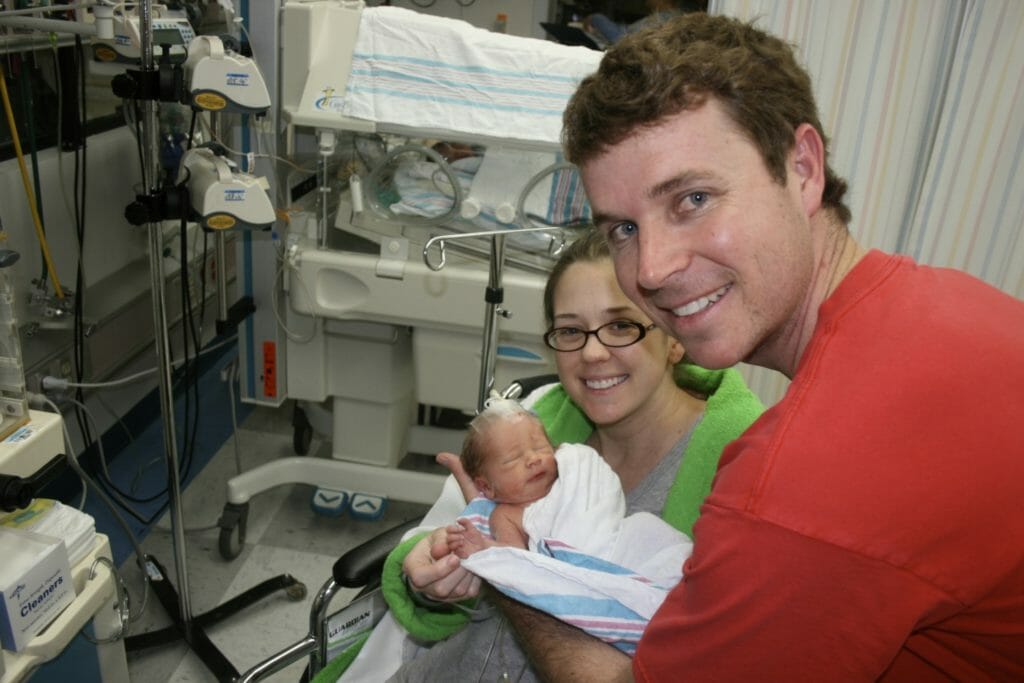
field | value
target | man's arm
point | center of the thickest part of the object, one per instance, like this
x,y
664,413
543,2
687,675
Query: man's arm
x,y
560,652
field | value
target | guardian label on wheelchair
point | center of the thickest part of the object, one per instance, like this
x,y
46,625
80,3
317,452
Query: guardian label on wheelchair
x,y
345,626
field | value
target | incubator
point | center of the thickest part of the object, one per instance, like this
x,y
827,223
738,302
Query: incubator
x,y
414,265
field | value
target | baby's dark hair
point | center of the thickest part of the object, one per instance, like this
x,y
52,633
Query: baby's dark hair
x,y
474,446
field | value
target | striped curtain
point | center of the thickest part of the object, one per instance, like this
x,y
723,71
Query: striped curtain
x,y
924,103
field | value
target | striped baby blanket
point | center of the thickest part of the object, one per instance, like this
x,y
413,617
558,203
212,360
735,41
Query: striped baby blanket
x,y
588,563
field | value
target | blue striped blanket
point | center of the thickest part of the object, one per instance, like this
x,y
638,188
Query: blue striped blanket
x,y
588,564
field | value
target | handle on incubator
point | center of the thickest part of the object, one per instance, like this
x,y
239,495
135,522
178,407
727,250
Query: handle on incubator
x,y
439,240
376,176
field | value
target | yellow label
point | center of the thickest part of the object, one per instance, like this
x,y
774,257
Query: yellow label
x,y
220,221
105,54
210,101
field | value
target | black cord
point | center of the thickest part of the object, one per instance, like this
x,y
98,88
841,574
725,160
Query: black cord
x,y
78,195
188,368
138,144
28,114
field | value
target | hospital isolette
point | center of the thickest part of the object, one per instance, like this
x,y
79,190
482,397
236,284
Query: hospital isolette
x,y
431,137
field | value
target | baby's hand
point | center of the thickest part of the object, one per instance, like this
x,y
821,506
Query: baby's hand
x,y
465,539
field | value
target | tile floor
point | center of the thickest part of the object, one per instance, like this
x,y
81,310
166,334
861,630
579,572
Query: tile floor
x,y
284,536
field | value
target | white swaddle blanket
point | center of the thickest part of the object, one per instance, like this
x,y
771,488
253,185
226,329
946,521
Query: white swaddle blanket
x,y
444,74
587,564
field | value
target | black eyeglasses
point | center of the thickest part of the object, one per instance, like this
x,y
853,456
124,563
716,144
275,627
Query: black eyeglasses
x,y
615,334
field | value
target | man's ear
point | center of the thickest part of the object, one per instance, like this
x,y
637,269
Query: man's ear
x,y
807,162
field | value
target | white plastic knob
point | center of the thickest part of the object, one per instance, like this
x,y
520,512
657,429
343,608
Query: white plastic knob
x,y
505,213
470,208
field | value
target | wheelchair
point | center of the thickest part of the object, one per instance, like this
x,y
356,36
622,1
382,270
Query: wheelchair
x,y
359,567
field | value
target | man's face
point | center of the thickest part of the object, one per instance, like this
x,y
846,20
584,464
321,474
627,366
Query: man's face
x,y
704,240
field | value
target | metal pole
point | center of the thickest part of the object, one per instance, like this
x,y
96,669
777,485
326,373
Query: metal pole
x,y
494,297
220,240
151,163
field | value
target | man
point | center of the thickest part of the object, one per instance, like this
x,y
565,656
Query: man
x,y
868,527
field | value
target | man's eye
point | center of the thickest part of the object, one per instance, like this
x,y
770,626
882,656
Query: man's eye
x,y
622,231
698,199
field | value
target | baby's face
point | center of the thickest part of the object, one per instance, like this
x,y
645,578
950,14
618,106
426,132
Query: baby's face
x,y
521,466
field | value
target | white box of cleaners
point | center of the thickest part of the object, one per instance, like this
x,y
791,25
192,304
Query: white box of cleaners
x,y
35,585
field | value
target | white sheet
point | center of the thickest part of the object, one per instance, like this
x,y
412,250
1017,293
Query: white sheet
x,y
430,72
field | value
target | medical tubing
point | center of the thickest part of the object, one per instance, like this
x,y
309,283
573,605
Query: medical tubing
x,y
30,195
121,497
188,328
376,175
532,183
123,602
79,216
77,467
258,155
232,375
51,383
45,10
274,305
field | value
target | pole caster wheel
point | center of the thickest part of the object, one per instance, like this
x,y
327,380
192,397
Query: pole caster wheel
x,y
296,591
232,520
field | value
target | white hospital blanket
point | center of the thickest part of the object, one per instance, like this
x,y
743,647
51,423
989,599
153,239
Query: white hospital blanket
x,y
435,73
587,563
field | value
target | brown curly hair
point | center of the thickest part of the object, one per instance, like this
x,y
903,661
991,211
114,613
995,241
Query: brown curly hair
x,y
678,65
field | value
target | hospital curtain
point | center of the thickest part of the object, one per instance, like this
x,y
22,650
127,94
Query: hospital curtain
x,y
923,101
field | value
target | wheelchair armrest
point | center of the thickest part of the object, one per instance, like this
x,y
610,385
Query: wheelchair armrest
x,y
365,562
522,387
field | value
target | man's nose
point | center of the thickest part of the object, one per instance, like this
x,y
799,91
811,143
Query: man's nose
x,y
660,253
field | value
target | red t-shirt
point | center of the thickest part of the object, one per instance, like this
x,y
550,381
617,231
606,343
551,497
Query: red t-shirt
x,y
871,524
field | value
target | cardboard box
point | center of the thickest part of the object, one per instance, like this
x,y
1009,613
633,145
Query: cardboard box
x,y
35,585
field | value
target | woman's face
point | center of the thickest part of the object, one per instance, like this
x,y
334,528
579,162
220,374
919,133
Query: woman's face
x,y
608,384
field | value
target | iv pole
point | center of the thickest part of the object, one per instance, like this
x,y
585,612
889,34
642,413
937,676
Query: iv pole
x,y
177,603
150,145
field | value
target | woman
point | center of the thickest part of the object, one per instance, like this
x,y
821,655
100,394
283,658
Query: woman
x,y
659,423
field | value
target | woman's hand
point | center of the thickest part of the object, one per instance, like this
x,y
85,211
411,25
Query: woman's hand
x,y
434,570
454,465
